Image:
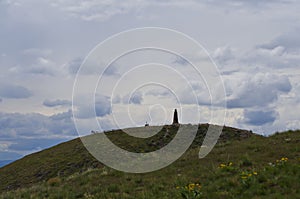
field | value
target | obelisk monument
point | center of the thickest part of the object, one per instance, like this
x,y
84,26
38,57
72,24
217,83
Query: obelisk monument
x,y
175,118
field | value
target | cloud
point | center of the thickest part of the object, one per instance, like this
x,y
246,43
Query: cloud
x,y
74,65
260,90
61,116
289,41
259,117
37,52
58,102
96,10
181,61
37,66
199,94
223,54
43,66
90,68
111,70
101,108
196,94
241,4
30,125
282,51
14,91
1,100
117,99
26,133
159,92
275,57
134,98
85,67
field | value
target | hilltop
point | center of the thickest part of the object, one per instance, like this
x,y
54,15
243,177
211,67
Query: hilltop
x,y
242,164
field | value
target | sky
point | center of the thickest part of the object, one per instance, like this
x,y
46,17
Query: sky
x,y
254,44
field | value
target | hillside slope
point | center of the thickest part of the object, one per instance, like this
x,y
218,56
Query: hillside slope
x,y
70,157
69,171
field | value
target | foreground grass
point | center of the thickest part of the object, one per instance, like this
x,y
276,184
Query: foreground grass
x,y
256,167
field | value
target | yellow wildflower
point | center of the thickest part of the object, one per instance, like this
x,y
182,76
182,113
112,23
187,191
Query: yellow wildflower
x,y
284,159
191,186
222,165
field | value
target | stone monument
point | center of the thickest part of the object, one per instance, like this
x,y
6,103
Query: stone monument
x,y
175,118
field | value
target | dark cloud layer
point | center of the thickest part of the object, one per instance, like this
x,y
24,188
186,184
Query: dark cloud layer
x,y
32,132
58,102
14,91
101,107
181,61
134,98
289,40
90,68
74,65
259,117
259,91
34,124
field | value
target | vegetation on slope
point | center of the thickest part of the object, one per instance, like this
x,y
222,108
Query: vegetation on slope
x,y
242,165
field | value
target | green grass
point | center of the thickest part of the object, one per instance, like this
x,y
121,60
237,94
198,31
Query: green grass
x,y
242,165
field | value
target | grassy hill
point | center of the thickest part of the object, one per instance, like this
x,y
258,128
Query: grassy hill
x,y
242,165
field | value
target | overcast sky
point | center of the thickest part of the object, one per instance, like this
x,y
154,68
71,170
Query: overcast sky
x,y
255,44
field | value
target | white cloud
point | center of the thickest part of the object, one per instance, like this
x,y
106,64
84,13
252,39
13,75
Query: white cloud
x,y
43,66
276,57
223,54
38,66
259,90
